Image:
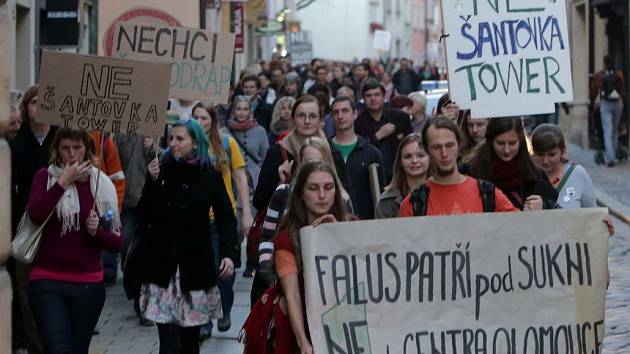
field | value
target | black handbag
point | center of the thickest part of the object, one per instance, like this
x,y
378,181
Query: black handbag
x,y
132,269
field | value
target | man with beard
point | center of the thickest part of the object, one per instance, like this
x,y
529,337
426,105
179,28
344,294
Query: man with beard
x,y
447,191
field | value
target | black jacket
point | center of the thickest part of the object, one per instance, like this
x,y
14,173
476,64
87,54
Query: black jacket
x,y
268,179
175,225
355,177
263,113
367,127
27,157
541,186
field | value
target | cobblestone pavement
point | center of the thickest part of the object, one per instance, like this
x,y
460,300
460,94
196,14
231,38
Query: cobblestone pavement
x,y
614,181
120,333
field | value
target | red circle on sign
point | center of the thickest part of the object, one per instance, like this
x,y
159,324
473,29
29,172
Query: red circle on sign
x,y
108,42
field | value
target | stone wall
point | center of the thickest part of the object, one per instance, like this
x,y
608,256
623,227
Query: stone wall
x,y
5,186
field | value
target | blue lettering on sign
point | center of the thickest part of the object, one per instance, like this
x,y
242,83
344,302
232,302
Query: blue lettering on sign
x,y
511,36
200,77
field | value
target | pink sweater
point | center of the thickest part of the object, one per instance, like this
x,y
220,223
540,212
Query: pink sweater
x,y
76,255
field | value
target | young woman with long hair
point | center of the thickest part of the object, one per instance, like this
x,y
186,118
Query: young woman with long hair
x,y
411,168
281,119
504,160
316,198
179,290
313,149
227,159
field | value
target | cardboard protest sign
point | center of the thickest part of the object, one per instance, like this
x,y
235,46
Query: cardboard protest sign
x,y
96,93
507,57
490,283
202,60
300,45
382,40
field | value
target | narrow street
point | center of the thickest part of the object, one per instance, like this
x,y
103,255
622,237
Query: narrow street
x,y
120,333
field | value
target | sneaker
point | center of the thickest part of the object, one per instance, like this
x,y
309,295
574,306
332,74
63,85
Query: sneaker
x,y
224,323
611,164
205,333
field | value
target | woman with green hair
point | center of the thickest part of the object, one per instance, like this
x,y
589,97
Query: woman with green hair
x,y
179,291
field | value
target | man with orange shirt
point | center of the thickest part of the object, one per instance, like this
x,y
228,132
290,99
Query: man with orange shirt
x,y
449,192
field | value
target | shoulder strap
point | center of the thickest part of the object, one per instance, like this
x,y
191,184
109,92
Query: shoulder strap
x,y
419,200
244,148
227,147
283,152
486,192
565,178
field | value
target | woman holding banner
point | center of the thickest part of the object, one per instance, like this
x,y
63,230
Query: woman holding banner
x,y
505,161
411,167
179,291
66,289
313,149
316,198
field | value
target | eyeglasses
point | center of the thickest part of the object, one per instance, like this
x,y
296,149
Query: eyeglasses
x,y
303,116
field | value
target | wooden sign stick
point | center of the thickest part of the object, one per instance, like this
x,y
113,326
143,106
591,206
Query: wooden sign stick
x,y
100,164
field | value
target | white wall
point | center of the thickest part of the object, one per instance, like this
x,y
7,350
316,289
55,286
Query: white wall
x,y
339,28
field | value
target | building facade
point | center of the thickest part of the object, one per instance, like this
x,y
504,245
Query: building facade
x,y
597,27
5,182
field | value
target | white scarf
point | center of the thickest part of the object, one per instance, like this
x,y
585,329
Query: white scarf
x,y
68,206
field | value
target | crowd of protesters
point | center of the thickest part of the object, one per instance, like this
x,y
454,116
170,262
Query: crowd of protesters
x,y
324,142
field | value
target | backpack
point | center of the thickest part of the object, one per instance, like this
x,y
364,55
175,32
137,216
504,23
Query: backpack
x,y
609,86
420,197
253,237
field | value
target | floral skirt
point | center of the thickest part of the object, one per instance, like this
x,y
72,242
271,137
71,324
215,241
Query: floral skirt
x,y
184,309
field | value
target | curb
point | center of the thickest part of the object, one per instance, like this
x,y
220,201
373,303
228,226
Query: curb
x,y
615,208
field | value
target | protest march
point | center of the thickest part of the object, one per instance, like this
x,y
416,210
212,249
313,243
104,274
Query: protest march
x,y
379,205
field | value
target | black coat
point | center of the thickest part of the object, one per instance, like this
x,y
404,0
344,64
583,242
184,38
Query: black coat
x,y
27,157
355,177
367,127
175,225
268,179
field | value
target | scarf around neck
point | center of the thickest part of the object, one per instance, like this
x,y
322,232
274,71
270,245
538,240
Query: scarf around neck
x,y
507,175
241,126
68,207
280,126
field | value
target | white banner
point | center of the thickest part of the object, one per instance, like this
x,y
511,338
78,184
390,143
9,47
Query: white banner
x,y
382,40
508,57
493,283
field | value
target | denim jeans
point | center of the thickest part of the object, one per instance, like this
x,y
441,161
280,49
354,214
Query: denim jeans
x,y
226,286
66,314
611,116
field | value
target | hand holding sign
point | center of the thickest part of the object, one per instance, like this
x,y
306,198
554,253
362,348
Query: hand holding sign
x,y
154,168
